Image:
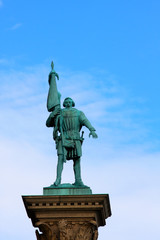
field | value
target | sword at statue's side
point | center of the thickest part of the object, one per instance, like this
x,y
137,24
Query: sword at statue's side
x,y
53,103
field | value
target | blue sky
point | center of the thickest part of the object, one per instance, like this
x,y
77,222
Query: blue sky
x,y
107,54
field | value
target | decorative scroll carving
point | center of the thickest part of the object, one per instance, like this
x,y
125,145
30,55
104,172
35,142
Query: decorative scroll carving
x,y
67,230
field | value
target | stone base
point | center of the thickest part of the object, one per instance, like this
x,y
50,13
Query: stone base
x,y
67,189
68,217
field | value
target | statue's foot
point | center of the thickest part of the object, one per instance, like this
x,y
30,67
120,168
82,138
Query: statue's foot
x,y
78,183
57,182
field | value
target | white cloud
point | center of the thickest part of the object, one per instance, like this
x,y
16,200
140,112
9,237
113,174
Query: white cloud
x,y
3,61
23,97
123,167
133,188
16,26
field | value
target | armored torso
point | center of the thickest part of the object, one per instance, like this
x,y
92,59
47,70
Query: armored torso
x,y
71,123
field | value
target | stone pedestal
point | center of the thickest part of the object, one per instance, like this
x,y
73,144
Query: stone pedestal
x,y
74,217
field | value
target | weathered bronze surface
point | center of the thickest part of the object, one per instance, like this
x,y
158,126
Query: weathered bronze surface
x,y
67,123
66,189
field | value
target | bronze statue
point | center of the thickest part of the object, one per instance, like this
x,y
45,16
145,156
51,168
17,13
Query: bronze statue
x,y
67,123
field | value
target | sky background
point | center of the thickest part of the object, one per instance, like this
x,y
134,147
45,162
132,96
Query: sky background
x,y
107,55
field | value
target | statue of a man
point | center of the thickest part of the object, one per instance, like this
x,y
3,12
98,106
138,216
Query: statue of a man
x,y
67,123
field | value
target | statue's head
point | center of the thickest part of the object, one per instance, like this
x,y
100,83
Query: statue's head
x,y
68,102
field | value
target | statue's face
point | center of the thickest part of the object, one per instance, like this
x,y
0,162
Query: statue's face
x,y
68,103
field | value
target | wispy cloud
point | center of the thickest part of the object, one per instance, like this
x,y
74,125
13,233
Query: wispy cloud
x,y
1,3
24,93
16,26
129,173
4,61
132,185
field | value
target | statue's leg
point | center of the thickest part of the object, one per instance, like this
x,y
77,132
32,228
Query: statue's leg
x,y
77,172
59,170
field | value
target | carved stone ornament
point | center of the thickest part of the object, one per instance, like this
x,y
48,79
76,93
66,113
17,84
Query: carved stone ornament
x,y
66,230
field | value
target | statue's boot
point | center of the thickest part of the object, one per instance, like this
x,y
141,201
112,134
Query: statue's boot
x,y
59,170
77,173
57,182
78,182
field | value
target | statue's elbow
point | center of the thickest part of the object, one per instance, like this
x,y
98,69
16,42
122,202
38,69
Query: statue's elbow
x,y
50,122
47,123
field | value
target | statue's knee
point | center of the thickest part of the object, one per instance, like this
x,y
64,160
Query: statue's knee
x,y
60,158
76,162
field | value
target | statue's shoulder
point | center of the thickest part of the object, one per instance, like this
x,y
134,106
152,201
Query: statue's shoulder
x,y
81,113
76,111
70,112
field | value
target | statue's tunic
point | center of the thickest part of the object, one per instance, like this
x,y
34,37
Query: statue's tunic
x,y
71,122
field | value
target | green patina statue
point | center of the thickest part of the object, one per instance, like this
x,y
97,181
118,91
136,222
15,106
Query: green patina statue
x,y
67,123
